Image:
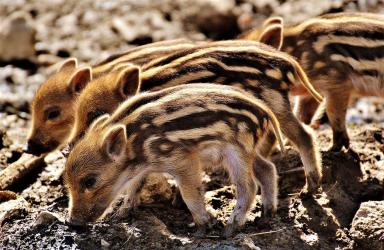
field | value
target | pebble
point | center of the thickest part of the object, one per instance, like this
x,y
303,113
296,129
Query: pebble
x,y
17,37
45,217
368,225
104,244
12,208
7,195
249,244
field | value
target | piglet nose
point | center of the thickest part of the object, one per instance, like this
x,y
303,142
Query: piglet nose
x,y
32,148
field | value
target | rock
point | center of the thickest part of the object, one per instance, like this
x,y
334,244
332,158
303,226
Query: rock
x,y
124,30
53,157
48,59
249,245
12,208
368,225
18,170
155,187
17,37
45,218
297,11
7,195
214,18
104,244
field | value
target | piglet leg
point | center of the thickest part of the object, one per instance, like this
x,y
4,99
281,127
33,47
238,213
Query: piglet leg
x,y
190,186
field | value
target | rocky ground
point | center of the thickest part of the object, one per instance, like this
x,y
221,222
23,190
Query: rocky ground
x,y
347,214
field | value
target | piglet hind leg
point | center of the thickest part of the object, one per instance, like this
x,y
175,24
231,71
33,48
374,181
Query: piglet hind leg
x,y
266,176
267,144
241,174
191,190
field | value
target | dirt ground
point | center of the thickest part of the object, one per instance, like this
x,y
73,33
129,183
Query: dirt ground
x,y
90,30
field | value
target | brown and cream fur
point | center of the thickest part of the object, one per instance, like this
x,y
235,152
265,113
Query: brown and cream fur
x,y
262,71
179,131
53,105
342,55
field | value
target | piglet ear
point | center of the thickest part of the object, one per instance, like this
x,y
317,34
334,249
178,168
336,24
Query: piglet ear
x,y
70,63
80,79
273,20
128,82
273,36
115,144
98,121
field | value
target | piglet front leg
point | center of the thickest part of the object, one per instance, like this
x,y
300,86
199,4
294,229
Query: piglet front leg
x,y
131,199
241,172
336,106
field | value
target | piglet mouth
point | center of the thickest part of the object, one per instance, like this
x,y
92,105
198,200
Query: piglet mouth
x,y
38,149
80,223
81,220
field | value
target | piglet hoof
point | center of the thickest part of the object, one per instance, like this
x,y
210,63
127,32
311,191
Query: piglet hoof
x,y
201,231
304,193
354,155
213,223
111,216
339,141
312,185
336,148
229,230
268,213
308,191
121,214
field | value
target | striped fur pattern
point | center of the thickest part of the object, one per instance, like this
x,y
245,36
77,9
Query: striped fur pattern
x,y
260,70
53,105
343,56
142,55
179,131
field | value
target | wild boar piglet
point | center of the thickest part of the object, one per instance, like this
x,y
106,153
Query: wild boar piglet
x,y
180,131
341,53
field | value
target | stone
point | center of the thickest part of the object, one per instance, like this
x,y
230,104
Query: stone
x,y
45,217
156,187
7,195
104,244
17,37
249,244
368,225
12,208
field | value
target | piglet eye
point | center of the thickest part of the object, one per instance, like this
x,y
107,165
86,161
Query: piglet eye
x,y
52,113
89,182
